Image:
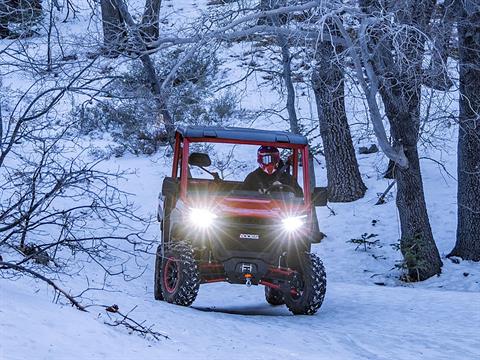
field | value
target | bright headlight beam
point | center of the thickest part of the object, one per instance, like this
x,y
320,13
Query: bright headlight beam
x,y
293,223
202,218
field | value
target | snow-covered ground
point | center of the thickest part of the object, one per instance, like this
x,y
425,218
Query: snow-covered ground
x,y
367,314
355,322
438,319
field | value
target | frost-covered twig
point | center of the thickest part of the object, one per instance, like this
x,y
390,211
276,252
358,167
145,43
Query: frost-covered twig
x,y
131,324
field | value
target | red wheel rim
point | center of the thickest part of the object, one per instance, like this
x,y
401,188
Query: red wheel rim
x,y
171,275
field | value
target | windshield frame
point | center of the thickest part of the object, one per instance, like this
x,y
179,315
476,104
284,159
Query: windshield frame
x,y
182,150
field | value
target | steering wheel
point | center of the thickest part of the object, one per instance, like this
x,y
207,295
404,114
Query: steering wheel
x,y
280,187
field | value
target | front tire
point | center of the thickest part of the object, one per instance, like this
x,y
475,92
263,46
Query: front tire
x,y
180,278
308,287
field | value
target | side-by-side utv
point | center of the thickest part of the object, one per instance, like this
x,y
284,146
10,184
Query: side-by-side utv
x,y
214,230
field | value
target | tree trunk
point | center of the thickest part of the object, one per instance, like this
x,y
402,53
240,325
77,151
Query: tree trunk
x,y
282,41
344,179
400,68
114,31
390,172
436,76
150,20
468,228
421,257
287,77
150,71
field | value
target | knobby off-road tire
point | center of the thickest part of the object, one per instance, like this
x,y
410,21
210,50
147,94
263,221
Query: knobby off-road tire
x,y
157,283
274,296
311,286
180,278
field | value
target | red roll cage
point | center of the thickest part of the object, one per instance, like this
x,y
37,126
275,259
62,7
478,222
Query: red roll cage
x,y
181,153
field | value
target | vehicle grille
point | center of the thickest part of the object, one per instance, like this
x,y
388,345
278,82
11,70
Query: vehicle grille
x,y
248,233
247,220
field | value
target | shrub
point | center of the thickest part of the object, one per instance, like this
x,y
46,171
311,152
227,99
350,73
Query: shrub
x,y
129,113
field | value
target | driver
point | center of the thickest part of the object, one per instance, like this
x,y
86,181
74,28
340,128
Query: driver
x,y
271,171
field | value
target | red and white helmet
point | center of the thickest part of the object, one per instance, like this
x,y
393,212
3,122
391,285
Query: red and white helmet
x,y
268,158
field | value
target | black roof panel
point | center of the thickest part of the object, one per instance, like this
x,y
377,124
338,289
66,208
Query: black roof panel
x,y
237,133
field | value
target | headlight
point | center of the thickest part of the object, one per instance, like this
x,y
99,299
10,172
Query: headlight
x,y
293,223
202,218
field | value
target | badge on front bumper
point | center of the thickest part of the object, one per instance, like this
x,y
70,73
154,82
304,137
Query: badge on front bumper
x,y
250,236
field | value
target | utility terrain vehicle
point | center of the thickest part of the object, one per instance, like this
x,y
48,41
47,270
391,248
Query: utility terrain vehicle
x,y
213,230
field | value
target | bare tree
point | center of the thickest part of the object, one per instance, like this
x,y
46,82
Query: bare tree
x,y
344,180
57,202
468,229
395,55
157,87
283,42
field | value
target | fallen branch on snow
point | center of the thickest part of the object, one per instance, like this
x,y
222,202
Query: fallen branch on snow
x,y
381,199
132,325
7,265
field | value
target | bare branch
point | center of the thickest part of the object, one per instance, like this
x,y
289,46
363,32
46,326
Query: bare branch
x,y
8,265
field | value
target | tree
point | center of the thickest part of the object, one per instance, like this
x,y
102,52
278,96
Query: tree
x,y
283,43
114,31
468,228
157,87
394,55
436,76
344,179
150,20
57,202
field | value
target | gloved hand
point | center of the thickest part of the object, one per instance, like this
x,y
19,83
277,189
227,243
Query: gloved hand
x,y
277,183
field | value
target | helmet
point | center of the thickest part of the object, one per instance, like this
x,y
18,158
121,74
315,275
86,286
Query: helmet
x,y
268,158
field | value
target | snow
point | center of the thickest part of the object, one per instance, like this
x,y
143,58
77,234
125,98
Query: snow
x,y
438,319
367,314
227,321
